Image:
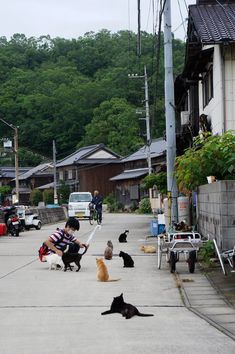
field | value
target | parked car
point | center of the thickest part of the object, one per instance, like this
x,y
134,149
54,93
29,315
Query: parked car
x,y
79,205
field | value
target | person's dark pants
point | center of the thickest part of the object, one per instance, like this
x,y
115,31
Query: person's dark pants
x,y
99,212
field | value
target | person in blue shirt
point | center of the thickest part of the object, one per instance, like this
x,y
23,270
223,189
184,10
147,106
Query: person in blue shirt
x,y
97,200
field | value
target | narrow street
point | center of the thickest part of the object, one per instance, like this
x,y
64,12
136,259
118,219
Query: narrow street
x,y
43,311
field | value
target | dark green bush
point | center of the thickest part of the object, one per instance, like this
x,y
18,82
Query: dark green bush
x,y
207,251
48,196
113,204
36,197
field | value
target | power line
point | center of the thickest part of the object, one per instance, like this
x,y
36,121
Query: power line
x,y
182,18
148,15
226,10
186,6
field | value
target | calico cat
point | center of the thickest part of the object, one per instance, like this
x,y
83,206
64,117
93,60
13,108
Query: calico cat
x,y
123,236
127,310
69,258
108,253
128,261
102,271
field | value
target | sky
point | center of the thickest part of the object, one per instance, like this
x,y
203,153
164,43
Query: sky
x,y
73,18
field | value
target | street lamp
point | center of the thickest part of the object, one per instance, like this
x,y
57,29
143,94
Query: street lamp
x,y
16,157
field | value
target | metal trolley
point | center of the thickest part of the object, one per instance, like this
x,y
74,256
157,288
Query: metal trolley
x,y
176,243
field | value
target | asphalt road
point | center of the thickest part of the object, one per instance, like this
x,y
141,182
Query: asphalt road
x,y
46,311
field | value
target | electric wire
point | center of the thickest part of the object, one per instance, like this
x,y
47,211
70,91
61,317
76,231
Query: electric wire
x,y
226,10
186,6
181,15
148,15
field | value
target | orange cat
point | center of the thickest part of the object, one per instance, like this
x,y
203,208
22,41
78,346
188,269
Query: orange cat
x,y
102,271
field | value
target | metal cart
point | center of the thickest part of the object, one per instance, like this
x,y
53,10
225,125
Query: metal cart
x,y
176,243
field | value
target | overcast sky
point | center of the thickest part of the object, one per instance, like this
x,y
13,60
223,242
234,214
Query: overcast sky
x,y
73,18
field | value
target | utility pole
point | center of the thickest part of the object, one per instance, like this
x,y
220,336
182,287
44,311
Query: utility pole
x,y
54,165
147,117
16,148
147,120
170,116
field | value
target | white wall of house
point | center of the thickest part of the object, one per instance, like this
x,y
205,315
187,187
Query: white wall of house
x,y
214,109
229,75
221,108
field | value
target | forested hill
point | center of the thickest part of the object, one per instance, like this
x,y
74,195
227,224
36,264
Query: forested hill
x,y
78,92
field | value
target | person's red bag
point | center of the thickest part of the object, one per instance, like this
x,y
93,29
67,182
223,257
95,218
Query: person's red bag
x,y
43,251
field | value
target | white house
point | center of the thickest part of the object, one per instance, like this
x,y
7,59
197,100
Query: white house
x,y
205,91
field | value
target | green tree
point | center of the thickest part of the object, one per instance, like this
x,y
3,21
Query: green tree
x,y
52,87
159,180
116,125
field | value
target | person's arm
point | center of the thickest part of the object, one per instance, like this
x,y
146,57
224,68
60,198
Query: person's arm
x,y
53,247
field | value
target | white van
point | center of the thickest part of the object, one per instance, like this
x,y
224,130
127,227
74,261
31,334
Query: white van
x,y
79,204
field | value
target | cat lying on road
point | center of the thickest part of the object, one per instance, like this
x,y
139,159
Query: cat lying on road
x,y
127,310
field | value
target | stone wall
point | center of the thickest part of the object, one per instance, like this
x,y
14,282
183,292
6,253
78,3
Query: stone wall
x,y
50,215
216,212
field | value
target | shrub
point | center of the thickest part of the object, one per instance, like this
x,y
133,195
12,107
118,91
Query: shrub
x,y
63,192
207,251
36,197
113,204
145,206
198,162
48,196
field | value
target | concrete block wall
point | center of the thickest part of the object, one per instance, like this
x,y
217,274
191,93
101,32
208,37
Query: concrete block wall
x,y
50,215
216,212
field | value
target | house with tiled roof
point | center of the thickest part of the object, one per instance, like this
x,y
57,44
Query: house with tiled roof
x,y
7,175
135,168
33,178
89,168
205,90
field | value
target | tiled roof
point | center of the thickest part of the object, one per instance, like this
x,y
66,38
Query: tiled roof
x,y
213,22
130,174
35,170
157,148
83,153
70,160
9,172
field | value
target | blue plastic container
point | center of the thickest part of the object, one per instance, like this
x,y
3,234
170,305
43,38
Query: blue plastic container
x,y
154,227
161,228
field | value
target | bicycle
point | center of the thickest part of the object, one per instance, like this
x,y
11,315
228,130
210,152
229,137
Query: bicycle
x,y
94,216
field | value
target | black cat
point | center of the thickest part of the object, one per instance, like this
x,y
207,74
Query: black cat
x,y
127,310
123,236
128,261
69,258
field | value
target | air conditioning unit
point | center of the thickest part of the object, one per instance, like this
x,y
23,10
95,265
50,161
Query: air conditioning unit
x,y
184,115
